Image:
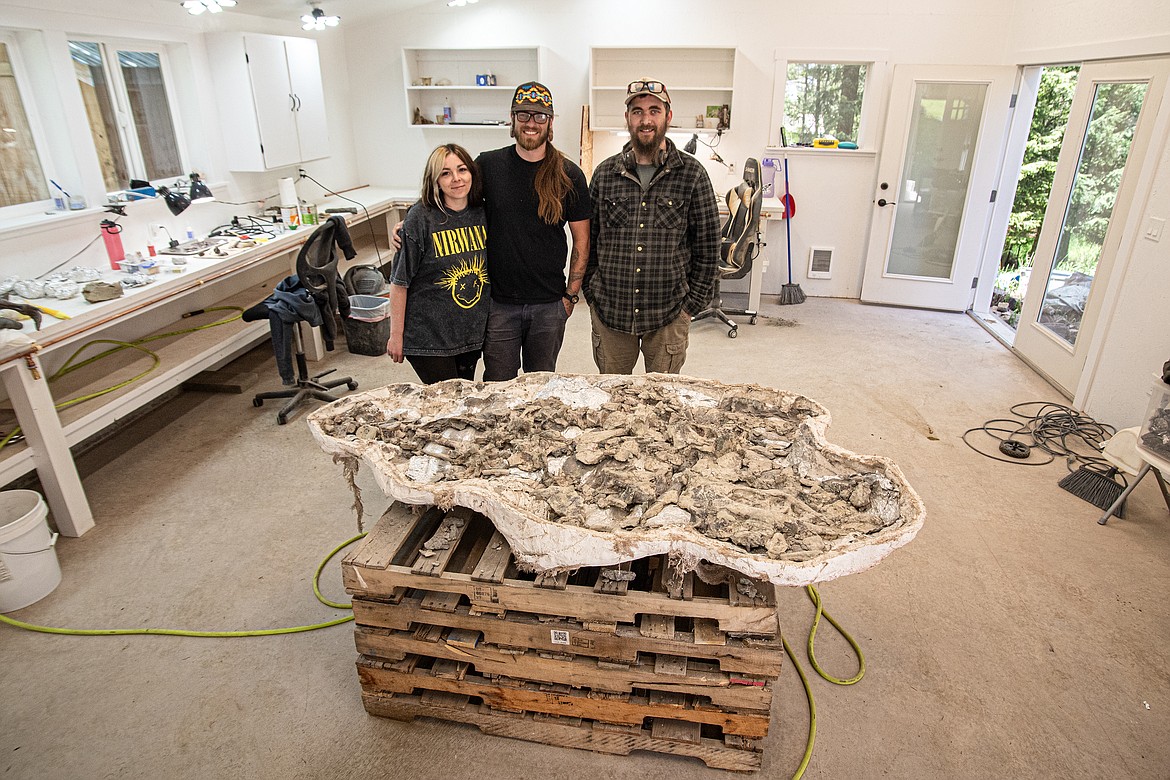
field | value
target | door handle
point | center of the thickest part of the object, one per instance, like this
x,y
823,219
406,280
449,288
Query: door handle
x,y
292,100
884,202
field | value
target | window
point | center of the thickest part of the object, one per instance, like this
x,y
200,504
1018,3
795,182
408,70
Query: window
x,y
125,97
22,175
823,99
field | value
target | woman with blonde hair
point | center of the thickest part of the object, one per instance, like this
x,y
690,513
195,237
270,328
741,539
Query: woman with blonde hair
x,y
438,284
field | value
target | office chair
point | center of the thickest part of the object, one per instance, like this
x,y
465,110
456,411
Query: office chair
x,y
740,244
316,277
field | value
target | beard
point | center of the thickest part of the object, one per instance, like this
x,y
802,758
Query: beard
x,y
647,148
531,143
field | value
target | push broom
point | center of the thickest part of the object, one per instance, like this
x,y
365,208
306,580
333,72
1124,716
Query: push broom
x,y
789,293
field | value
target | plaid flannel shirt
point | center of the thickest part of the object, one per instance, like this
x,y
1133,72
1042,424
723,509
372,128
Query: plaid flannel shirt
x,y
652,253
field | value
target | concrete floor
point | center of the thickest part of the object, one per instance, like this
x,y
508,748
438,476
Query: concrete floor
x,y
1013,638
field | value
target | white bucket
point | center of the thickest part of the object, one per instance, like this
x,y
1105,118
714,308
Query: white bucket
x,y
28,561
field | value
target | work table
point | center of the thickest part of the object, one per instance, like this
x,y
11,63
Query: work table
x,y
94,397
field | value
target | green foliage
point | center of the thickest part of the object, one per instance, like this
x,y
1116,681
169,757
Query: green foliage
x,y
822,99
1053,100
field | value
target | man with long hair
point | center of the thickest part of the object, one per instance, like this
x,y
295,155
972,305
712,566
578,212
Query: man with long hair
x,y
531,191
654,249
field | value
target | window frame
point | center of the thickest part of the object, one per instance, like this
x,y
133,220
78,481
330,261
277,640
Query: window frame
x,y
873,91
49,170
110,46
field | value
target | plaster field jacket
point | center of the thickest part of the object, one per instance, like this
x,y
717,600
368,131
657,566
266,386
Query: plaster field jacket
x,y
652,253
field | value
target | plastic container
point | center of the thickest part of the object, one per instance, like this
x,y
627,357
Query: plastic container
x,y
1155,432
29,570
367,328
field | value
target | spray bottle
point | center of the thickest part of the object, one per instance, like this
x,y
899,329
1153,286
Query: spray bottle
x,y
112,236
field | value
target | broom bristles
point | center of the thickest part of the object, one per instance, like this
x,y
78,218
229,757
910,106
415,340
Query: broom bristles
x,y
1100,490
790,294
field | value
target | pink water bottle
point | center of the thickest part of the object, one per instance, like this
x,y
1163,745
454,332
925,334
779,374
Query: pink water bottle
x,y
112,236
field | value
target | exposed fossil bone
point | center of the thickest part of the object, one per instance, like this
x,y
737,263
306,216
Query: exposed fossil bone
x,y
595,470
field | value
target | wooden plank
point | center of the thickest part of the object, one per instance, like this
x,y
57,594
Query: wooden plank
x,y
670,665
694,679
462,637
556,580
437,550
657,626
519,629
383,540
594,736
614,580
529,698
494,561
440,602
676,731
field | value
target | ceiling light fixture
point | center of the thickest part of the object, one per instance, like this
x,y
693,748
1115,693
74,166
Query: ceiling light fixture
x,y
460,3
196,7
318,20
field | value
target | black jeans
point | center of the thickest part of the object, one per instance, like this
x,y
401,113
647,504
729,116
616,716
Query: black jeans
x,y
529,332
436,368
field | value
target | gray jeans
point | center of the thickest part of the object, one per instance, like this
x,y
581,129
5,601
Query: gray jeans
x,y
527,335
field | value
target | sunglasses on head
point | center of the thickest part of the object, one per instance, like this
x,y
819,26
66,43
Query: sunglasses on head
x,y
651,87
534,116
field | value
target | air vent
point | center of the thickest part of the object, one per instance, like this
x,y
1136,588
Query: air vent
x,y
820,262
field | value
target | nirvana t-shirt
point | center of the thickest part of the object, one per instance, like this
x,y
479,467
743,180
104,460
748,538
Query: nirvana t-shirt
x,y
443,265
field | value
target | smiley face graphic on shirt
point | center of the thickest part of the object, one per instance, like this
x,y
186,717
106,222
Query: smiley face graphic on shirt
x,y
466,281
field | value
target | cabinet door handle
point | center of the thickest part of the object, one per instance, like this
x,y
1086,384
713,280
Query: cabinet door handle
x,y
292,102
298,97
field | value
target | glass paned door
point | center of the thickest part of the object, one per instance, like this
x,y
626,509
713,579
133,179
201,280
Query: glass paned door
x,y
1105,146
938,164
1104,151
939,153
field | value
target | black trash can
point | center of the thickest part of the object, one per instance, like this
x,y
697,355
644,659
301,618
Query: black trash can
x,y
367,328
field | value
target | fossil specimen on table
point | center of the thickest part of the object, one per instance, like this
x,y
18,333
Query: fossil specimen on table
x,y
593,470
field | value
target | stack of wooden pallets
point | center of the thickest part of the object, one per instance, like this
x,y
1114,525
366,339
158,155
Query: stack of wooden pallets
x,y
610,659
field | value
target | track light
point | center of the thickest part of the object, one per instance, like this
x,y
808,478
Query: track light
x,y
196,7
318,20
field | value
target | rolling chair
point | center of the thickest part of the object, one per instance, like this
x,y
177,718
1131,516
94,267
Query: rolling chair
x,y
317,278
741,243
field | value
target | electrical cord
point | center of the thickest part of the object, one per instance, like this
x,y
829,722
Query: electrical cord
x,y
74,256
206,634
69,366
1055,429
369,222
815,596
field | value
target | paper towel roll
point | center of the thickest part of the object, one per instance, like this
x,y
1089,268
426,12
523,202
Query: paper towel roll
x,y
288,192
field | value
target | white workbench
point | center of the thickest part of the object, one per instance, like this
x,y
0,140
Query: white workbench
x,y
242,278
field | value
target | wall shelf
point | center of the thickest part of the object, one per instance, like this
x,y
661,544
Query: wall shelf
x,y
696,77
469,102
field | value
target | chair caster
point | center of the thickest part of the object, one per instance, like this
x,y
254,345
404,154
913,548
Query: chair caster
x,y
753,319
281,419
257,402
352,385
733,333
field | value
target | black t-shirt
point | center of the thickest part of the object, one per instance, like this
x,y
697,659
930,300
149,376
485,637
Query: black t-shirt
x,y
526,256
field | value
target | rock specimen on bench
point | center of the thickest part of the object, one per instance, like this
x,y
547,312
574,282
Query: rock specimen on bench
x,y
594,470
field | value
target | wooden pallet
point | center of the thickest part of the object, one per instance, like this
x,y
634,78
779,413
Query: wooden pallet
x,y
661,674
416,674
687,739
701,639
477,568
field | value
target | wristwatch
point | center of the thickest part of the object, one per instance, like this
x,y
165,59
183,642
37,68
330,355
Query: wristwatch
x,y
573,299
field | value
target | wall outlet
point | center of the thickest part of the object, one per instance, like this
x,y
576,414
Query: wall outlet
x,y
731,167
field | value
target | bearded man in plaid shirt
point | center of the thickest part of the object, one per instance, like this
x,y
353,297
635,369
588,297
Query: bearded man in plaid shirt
x,y
654,248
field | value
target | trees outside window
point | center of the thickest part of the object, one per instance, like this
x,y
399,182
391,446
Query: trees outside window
x,y
823,99
22,176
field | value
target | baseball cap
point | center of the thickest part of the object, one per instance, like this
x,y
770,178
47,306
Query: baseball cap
x,y
533,96
647,87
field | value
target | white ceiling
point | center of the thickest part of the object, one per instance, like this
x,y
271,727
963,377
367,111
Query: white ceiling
x,y
346,9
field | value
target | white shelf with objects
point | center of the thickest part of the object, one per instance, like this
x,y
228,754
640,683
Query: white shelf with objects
x,y
466,89
700,80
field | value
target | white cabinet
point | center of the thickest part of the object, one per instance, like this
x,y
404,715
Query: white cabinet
x,y
271,100
434,79
697,78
